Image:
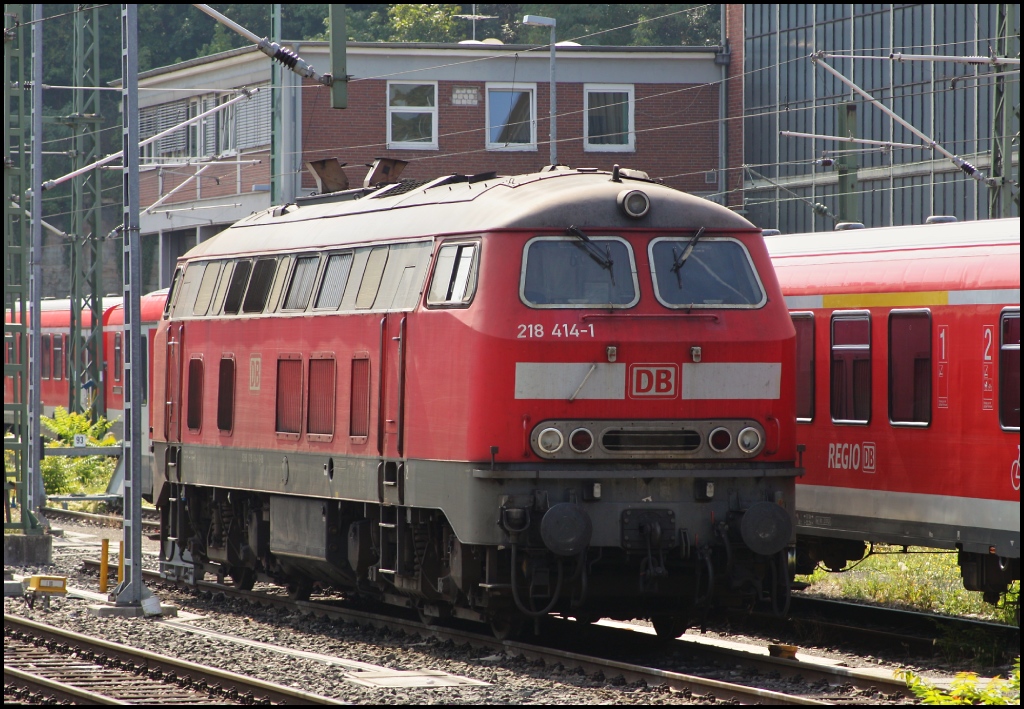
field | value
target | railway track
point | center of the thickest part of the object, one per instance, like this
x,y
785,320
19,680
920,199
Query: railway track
x,y
43,663
150,518
570,645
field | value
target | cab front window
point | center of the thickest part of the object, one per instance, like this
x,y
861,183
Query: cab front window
x,y
578,272
704,272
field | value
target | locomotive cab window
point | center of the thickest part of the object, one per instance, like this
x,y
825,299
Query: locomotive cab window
x,y
704,272
804,324
206,288
1009,370
454,279
851,367
577,272
910,367
172,292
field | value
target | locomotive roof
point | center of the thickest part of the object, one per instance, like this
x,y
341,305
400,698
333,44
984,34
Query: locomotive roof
x,y
551,200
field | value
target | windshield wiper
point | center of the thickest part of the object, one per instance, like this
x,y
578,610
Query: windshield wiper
x,y
680,261
592,250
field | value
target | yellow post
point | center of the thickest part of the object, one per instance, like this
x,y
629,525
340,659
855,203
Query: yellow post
x,y
104,563
120,563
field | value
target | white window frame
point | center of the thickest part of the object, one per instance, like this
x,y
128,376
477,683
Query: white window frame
x,y
508,86
405,145
630,145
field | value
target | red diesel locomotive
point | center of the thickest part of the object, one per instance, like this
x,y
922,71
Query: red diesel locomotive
x,y
496,398
908,392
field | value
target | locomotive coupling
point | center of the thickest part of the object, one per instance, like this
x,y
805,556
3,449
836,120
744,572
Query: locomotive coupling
x,y
766,528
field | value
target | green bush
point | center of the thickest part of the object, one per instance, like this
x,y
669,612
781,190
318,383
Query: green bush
x,y
64,475
967,690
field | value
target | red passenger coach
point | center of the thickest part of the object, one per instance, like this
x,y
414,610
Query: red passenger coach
x,y
491,397
908,392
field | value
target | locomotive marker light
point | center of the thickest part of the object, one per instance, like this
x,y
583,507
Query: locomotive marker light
x,y
634,203
550,440
749,440
720,440
581,440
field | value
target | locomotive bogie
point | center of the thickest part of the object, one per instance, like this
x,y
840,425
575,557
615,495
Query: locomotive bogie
x,y
494,400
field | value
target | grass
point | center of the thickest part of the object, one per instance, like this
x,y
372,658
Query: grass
x,y
923,579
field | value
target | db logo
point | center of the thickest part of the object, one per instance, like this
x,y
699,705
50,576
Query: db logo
x,y
653,380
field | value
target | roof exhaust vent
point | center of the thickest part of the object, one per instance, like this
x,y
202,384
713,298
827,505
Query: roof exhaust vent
x,y
384,170
846,226
328,175
940,219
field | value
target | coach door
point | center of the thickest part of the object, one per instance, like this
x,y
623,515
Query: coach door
x,y
391,395
172,390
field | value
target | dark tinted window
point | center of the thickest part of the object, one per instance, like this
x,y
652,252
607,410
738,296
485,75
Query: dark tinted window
x,y
804,325
259,286
571,272
716,272
1009,370
851,368
226,395
910,368
239,279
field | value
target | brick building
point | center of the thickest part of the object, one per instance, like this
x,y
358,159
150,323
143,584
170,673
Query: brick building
x,y
466,108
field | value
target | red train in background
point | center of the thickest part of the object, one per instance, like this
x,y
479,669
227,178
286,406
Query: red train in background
x,y
908,392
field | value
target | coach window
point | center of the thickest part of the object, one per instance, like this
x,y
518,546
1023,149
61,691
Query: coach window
x,y
226,394
206,288
332,285
236,287
454,279
804,324
58,357
47,357
1009,370
118,354
194,417
301,285
704,272
570,272
412,115
259,285
289,396
608,118
851,367
511,117
910,367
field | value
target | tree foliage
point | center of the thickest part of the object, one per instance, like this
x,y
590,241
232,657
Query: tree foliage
x,y
64,475
966,689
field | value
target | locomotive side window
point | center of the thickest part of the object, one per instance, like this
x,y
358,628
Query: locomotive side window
x,y
332,285
226,395
910,367
47,357
320,414
58,357
289,396
1009,370
236,287
359,402
185,298
284,268
851,367
804,324
206,288
259,285
216,306
118,354
454,275
372,273
572,272
172,292
708,272
194,415
301,285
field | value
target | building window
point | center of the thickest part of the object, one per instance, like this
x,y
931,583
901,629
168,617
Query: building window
x,y
1009,370
412,115
851,367
804,324
608,118
194,416
226,395
910,367
511,117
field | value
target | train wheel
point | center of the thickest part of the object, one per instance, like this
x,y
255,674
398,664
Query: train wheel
x,y
669,627
300,590
506,627
243,578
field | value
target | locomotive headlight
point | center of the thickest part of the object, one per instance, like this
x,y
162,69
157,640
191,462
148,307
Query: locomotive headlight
x,y
749,440
720,439
581,440
550,440
634,203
